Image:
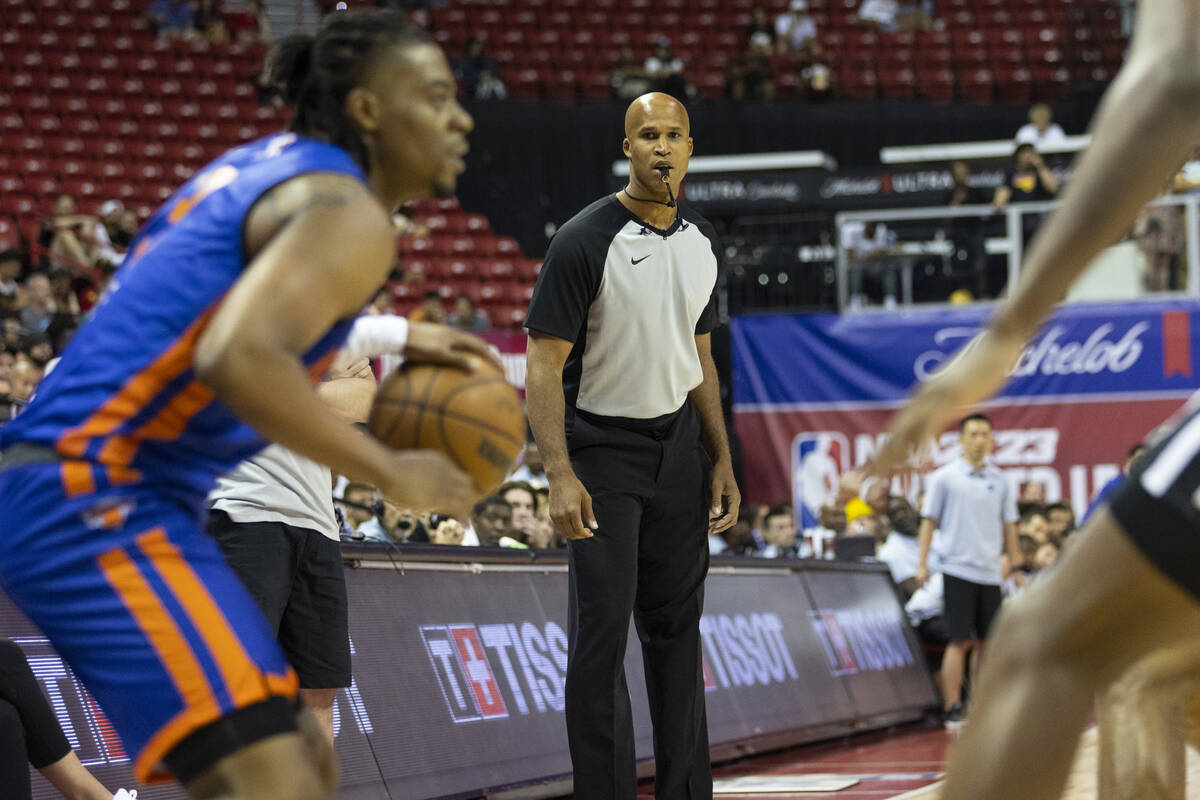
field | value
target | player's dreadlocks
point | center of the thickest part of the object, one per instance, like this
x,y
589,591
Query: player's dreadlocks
x,y
315,73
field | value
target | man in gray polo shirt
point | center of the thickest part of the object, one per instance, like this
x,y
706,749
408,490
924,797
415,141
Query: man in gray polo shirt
x,y
975,506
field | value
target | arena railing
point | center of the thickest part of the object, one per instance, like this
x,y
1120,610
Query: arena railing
x,y
930,235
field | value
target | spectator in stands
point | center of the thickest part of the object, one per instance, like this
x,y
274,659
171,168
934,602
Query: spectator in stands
x,y
760,32
24,377
10,330
816,82
831,524
467,317
963,193
10,270
796,31
107,231
62,291
1033,523
70,236
171,19
532,469
209,22
522,499
127,228
1029,179
492,519
252,24
752,77
38,349
665,71
478,74
7,359
1041,128
1061,517
39,304
629,78
779,532
901,548
880,15
1032,492
430,310
1159,233
358,504
968,233
866,245
1046,555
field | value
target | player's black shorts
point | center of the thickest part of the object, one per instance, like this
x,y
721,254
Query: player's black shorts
x,y
1157,504
296,577
970,608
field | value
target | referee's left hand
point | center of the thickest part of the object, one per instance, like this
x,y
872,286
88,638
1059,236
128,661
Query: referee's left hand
x,y
726,499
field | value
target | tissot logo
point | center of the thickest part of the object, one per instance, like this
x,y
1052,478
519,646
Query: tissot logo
x,y
862,640
493,671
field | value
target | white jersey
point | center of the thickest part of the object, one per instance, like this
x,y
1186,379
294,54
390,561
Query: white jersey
x,y
278,485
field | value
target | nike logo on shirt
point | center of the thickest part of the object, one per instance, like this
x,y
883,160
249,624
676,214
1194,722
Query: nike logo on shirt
x,y
636,261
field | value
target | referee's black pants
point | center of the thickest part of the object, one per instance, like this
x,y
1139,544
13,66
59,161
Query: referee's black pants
x,y
650,493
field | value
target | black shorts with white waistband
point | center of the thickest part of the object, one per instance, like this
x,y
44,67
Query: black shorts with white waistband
x,y
1157,505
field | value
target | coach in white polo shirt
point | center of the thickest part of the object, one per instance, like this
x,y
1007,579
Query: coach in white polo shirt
x,y
975,506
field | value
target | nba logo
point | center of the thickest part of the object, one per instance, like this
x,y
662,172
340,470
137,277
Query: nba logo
x,y
818,461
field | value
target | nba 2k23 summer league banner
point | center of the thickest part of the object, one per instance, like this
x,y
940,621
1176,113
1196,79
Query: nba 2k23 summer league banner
x,y
813,393
458,678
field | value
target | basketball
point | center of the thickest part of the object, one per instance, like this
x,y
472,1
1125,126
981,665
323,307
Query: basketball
x,y
475,418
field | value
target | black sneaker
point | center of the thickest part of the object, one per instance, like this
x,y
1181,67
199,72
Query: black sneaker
x,y
955,716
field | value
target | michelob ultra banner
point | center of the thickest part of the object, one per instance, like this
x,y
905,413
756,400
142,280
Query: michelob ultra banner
x,y
813,393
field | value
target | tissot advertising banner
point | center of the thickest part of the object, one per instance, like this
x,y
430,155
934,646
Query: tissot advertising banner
x,y
813,393
458,678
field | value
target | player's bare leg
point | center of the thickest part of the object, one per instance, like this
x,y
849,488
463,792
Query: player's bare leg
x,y
1143,722
320,703
291,766
1069,636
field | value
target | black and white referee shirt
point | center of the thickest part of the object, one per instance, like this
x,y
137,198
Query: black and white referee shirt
x,y
632,298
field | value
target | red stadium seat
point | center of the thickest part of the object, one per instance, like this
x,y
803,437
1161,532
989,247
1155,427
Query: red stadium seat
x,y
977,86
937,84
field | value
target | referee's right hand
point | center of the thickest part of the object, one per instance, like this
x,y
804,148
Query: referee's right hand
x,y
571,508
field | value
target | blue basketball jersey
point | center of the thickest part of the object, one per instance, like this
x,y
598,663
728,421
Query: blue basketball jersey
x,y
124,406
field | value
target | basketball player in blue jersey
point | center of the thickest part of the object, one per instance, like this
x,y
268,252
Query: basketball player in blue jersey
x,y
234,298
1130,585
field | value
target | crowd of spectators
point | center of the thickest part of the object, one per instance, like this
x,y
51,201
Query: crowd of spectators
x,y
209,20
49,283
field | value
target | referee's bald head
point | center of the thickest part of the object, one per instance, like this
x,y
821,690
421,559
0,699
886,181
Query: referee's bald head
x,y
654,106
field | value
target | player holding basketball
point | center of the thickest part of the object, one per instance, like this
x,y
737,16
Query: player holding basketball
x,y
1130,585
234,297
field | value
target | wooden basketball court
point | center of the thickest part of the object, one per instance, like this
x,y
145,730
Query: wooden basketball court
x,y
906,764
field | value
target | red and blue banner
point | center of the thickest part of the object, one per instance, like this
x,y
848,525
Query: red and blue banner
x,y
813,393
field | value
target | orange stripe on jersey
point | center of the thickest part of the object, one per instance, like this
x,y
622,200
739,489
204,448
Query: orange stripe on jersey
x,y
168,424
243,678
286,685
321,365
145,766
77,478
172,649
137,392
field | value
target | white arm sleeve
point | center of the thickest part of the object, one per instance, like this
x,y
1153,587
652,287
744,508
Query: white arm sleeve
x,y
385,334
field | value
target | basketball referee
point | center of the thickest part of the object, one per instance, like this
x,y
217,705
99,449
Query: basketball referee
x,y
623,401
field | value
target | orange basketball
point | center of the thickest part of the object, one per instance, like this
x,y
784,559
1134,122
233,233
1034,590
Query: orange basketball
x,y
475,418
